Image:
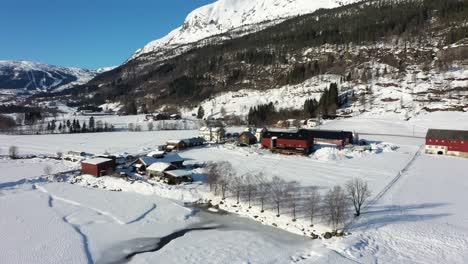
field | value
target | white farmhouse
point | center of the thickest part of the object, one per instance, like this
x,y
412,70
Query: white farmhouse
x,y
212,134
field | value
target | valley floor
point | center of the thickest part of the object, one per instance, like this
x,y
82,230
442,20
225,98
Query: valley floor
x,y
419,219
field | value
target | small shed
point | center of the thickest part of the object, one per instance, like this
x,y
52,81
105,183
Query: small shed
x,y
247,139
174,177
157,169
97,167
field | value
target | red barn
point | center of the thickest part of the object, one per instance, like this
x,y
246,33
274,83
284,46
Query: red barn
x,y
289,142
447,142
97,167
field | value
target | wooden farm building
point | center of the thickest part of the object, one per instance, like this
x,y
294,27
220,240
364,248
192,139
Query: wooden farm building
x,y
447,142
194,142
142,163
246,138
289,142
178,144
157,169
97,167
181,144
335,137
174,177
175,160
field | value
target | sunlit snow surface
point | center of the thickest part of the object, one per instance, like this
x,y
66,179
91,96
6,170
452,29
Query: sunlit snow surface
x,y
420,219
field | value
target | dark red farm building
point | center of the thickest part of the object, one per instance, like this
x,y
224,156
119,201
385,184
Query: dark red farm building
x,y
289,142
97,166
447,142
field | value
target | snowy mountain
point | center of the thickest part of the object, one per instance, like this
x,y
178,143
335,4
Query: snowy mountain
x,y
226,15
30,77
376,49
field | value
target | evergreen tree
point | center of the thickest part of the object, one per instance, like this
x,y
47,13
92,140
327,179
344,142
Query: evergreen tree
x,y
310,107
201,112
91,124
132,108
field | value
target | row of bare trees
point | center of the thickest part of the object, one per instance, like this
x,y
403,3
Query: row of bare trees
x,y
287,197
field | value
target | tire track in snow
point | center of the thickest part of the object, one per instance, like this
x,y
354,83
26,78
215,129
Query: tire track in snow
x,y
100,212
84,238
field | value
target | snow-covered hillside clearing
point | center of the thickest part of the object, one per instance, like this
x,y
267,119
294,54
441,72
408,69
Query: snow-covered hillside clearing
x,y
388,91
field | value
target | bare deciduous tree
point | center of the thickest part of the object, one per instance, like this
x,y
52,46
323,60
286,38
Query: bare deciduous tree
x,y
250,187
293,194
227,173
335,204
13,152
150,126
237,184
312,203
263,190
212,173
47,170
278,189
358,192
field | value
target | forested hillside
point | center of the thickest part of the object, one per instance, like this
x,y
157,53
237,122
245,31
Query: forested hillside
x,y
401,37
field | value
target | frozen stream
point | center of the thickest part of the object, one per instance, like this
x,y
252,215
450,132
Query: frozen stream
x,y
123,252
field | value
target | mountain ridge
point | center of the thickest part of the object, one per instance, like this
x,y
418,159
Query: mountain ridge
x,y
224,15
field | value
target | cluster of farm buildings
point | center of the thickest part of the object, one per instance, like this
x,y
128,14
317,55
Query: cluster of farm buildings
x,y
164,164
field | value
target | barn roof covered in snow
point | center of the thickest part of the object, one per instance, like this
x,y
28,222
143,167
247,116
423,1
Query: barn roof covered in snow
x,y
96,161
447,134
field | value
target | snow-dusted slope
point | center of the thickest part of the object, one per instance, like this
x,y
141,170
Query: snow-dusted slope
x,y
225,15
23,76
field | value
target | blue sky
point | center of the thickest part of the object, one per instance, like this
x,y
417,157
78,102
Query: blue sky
x,y
85,33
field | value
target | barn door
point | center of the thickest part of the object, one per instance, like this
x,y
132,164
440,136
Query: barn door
x,y
274,142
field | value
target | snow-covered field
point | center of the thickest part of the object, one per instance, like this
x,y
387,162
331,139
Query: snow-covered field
x,y
419,219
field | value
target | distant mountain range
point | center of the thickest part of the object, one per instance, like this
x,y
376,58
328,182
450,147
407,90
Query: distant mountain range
x,y
31,77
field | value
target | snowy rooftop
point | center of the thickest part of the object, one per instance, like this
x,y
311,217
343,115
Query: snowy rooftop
x,y
159,166
96,161
179,173
148,160
156,153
